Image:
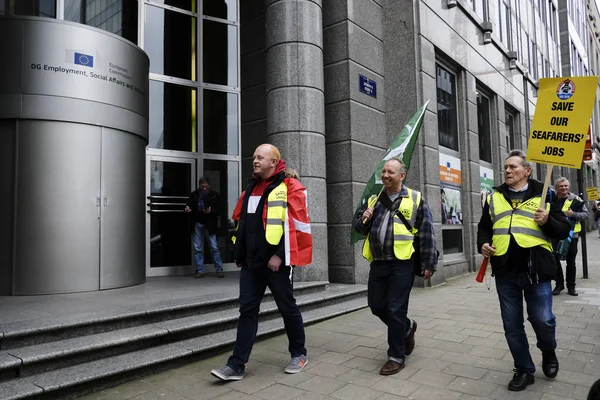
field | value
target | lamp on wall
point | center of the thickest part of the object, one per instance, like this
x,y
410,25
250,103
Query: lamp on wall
x,y
487,29
451,3
512,59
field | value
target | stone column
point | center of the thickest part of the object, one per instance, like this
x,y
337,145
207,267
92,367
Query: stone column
x,y
295,109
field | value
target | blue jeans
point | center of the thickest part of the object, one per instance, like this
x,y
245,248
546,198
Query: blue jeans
x,y
253,283
598,225
198,239
538,297
389,286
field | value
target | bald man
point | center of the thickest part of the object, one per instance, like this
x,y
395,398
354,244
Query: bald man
x,y
272,237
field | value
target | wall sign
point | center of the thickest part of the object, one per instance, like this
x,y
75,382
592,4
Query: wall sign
x,y
367,86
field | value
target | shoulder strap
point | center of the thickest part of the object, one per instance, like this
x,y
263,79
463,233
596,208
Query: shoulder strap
x,y
385,201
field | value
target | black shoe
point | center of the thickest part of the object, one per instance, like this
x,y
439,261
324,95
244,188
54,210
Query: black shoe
x,y
520,381
409,341
549,363
572,291
557,290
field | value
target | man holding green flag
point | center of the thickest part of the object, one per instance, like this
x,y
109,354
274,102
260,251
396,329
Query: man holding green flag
x,y
399,234
402,147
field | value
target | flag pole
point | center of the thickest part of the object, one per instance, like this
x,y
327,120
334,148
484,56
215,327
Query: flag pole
x,y
364,219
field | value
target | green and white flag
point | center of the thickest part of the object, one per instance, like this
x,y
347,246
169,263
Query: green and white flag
x,y
402,147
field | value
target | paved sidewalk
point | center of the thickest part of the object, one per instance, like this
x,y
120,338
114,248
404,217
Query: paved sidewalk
x,y
461,354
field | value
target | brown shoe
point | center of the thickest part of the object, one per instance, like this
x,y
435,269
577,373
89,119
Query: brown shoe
x,y
220,274
409,341
391,368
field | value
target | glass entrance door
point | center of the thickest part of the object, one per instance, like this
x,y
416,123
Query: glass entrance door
x,y
170,180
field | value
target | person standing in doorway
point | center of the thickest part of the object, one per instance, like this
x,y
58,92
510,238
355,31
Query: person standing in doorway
x,y
272,237
203,208
575,210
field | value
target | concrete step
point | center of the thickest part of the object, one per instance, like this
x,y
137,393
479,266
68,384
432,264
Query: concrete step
x,y
25,333
29,360
95,375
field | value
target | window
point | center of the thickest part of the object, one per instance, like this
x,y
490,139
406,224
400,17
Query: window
x,y
220,122
172,117
220,9
219,53
513,137
483,128
446,108
115,16
39,8
170,41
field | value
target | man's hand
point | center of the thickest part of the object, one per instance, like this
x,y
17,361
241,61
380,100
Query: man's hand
x,y
274,263
569,212
487,250
187,209
367,215
540,216
427,273
206,210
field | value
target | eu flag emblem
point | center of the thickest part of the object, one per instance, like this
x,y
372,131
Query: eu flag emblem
x,y
84,59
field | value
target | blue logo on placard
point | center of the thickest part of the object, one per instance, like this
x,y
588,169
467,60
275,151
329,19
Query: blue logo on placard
x,y
565,89
84,59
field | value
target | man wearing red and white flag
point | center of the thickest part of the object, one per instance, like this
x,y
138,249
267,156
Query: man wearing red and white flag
x,y
272,237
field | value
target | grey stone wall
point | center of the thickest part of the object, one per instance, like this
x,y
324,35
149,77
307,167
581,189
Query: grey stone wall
x,y
295,109
355,123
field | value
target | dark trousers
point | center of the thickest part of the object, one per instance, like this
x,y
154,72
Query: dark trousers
x,y
390,283
253,283
571,270
538,297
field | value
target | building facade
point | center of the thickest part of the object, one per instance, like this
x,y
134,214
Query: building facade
x,y
331,83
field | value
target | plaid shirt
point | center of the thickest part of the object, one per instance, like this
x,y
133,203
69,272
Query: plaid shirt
x,y
385,251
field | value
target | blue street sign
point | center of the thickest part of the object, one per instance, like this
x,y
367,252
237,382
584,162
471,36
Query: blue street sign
x,y
367,86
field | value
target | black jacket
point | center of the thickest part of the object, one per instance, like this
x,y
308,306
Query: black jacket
x,y
211,199
515,259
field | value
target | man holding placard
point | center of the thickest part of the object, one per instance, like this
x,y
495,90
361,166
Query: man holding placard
x,y
514,232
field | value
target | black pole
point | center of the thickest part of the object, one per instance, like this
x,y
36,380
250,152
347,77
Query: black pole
x,y
582,234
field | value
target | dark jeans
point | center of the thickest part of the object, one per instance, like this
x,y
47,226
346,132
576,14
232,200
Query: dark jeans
x,y
253,283
390,283
571,270
538,297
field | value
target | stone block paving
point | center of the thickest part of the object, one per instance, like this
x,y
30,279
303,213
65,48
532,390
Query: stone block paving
x,y
461,354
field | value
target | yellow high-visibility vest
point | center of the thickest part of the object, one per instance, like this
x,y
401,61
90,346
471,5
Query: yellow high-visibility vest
x,y
517,222
276,215
566,206
403,238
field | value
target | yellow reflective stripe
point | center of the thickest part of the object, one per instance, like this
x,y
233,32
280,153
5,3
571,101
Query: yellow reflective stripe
x,y
491,204
530,232
524,213
403,237
503,214
415,198
277,203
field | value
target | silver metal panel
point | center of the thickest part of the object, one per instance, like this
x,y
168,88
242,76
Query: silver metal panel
x,y
58,185
7,192
123,232
61,59
87,112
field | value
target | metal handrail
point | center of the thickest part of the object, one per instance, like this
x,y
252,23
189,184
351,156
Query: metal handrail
x,y
167,197
166,204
